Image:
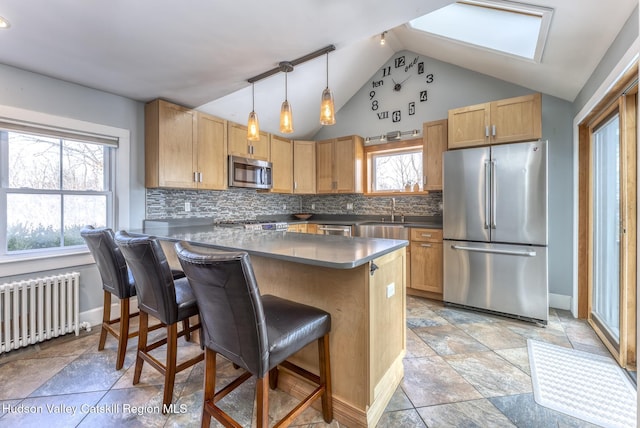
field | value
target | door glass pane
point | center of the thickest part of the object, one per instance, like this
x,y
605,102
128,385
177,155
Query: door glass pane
x,y
606,226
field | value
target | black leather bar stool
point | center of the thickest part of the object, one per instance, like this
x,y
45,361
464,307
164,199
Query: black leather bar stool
x,y
117,281
163,298
254,332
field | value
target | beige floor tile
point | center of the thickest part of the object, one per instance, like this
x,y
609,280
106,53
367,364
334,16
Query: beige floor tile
x,y
474,413
20,378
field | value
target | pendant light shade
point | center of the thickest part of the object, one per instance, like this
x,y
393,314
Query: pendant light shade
x,y
253,127
327,108
286,115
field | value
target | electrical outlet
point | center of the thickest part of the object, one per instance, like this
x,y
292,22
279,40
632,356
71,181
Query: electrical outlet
x,y
187,206
313,206
391,289
284,206
349,206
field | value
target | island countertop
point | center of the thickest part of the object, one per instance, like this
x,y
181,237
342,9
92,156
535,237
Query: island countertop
x,y
332,251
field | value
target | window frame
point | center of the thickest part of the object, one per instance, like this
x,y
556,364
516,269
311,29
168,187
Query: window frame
x,y
38,261
372,150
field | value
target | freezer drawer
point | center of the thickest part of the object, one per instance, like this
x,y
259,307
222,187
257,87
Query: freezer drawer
x,y
511,279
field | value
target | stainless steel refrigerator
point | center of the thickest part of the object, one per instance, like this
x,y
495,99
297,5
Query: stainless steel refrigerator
x,y
495,229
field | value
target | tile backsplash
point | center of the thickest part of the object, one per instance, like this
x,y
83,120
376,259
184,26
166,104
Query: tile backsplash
x,y
239,204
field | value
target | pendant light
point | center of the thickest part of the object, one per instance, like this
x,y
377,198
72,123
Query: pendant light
x,y
327,108
253,127
286,115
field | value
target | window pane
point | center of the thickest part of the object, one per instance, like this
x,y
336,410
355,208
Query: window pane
x,y
34,161
33,221
82,166
395,171
80,210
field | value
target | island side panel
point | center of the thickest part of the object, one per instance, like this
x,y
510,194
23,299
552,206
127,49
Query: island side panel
x,y
342,293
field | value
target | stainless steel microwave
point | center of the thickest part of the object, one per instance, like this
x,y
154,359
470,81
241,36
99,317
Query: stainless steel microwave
x,y
252,173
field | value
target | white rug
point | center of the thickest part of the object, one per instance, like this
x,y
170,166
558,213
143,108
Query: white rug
x,y
582,385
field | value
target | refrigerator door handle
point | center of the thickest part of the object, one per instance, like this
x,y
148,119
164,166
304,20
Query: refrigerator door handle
x,y
492,251
494,194
487,194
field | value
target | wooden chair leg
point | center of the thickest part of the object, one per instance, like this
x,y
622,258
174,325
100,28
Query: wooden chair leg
x,y
170,371
325,378
142,345
123,336
209,385
273,378
106,317
185,328
262,401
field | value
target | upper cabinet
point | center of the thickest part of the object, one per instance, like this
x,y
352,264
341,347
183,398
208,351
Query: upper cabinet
x,y
183,148
304,167
282,160
434,137
240,146
503,121
339,163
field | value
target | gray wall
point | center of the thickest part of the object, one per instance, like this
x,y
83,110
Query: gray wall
x,y
618,48
31,91
456,87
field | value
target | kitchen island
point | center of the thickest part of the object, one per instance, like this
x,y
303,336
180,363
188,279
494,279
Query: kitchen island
x,y
359,281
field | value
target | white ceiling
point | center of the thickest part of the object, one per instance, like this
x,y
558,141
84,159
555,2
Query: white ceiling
x,y
200,53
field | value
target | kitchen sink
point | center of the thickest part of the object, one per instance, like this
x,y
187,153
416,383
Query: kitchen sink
x,y
382,230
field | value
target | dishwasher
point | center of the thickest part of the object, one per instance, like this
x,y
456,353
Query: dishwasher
x,y
334,229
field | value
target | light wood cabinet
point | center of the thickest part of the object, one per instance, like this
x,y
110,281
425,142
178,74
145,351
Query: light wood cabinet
x,y
297,228
304,167
282,164
434,137
339,163
502,121
240,146
426,266
183,148
312,228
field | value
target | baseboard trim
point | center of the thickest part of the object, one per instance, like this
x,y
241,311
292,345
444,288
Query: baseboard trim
x,y
559,301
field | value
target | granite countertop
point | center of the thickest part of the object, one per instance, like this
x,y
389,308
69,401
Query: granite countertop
x,y
337,252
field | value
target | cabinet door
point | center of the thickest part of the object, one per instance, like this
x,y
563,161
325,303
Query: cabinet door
x,y
304,167
239,145
169,141
312,228
324,166
434,136
348,160
282,160
516,119
211,153
469,126
426,266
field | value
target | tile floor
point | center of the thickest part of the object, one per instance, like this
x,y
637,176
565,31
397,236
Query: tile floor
x,y
462,368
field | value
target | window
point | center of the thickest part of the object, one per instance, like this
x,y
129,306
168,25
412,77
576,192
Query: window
x,y
395,169
53,183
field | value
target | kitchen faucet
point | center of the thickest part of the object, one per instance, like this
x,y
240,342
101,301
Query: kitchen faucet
x,y
393,209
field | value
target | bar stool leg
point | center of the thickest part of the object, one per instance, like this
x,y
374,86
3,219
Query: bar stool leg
x,y
123,337
325,378
106,317
262,401
170,374
209,385
185,328
142,345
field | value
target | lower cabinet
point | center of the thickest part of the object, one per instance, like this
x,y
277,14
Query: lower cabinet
x,y
298,228
425,266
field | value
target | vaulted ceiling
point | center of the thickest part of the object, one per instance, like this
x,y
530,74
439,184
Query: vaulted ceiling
x,y
200,53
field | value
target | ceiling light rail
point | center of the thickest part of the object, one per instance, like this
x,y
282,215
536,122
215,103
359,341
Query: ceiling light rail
x,y
292,63
391,136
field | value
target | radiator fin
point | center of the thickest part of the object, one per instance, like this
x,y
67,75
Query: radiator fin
x,y
38,309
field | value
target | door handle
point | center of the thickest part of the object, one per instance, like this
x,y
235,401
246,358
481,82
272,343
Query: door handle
x,y
492,251
426,245
487,194
494,194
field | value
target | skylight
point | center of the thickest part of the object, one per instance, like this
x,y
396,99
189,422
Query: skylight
x,y
512,28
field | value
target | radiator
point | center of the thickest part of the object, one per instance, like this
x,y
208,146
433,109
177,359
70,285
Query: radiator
x,y
38,309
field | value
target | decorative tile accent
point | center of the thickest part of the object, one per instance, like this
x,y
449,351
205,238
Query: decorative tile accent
x,y
237,204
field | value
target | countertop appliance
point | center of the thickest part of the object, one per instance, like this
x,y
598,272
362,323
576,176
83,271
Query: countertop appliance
x,y
252,173
495,229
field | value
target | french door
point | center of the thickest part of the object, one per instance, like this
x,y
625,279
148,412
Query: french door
x,y
612,231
